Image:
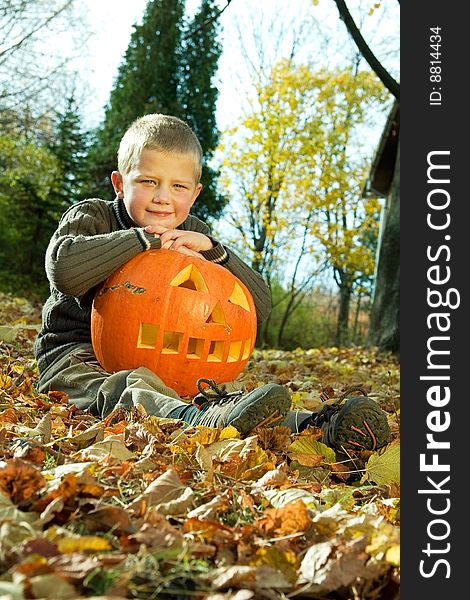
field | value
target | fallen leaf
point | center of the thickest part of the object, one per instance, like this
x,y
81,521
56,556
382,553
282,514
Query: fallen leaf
x,y
273,478
42,430
310,452
20,480
284,561
43,586
262,577
279,498
384,467
209,510
84,543
291,518
166,493
111,447
330,565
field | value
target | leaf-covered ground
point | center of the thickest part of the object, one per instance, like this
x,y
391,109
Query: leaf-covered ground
x,y
138,507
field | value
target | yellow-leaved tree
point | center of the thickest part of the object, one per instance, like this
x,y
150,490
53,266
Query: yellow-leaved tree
x,y
295,168
346,223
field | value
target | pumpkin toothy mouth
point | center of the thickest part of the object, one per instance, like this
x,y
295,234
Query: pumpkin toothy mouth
x,y
184,317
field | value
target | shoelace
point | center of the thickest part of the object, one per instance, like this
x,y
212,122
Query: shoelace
x,y
329,409
212,393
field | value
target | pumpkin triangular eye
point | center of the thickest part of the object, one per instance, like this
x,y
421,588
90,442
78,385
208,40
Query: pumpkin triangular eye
x,y
238,297
217,315
191,279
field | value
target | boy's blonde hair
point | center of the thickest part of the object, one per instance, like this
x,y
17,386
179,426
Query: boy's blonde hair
x,y
158,132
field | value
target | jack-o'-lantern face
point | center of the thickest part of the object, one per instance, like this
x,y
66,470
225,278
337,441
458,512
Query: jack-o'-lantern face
x,y
181,317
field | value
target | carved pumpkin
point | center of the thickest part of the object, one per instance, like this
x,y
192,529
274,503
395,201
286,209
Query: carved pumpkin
x,y
181,317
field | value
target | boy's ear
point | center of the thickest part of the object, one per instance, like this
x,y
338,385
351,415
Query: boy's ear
x,y
116,180
197,191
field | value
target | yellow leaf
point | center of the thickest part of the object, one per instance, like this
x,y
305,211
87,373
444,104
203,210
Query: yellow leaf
x,y
310,452
392,555
229,433
255,465
384,467
85,543
285,562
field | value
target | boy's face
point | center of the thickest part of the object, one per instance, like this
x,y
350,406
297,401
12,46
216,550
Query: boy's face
x,y
160,190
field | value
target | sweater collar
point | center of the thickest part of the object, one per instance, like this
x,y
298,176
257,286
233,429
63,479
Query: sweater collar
x,y
122,215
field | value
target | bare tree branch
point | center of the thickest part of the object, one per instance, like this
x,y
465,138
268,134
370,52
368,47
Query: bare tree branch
x,y
207,22
35,29
384,76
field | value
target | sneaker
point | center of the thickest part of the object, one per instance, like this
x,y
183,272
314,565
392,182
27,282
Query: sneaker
x,y
217,407
356,424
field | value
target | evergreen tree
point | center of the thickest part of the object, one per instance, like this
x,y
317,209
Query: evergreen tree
x,y
168,67
147,82
69,146
198,93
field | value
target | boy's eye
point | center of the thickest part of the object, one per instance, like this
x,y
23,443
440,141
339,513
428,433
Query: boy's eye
x,y
179,186
148,181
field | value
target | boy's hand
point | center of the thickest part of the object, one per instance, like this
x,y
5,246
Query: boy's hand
x,y
186,242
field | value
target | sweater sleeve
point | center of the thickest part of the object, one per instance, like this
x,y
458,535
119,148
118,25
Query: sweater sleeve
x,y
84,250
225,257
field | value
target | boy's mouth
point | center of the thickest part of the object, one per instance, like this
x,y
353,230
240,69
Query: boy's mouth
x,y
158,213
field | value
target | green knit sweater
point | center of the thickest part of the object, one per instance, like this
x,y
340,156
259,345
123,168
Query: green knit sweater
x,y
93,239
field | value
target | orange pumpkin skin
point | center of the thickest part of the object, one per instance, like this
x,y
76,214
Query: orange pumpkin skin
x,y
181,317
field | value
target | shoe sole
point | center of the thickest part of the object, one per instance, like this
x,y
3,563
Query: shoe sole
x,y
371,430
274,398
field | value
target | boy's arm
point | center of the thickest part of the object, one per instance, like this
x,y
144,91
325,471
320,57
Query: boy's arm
x,y
225,257
84,251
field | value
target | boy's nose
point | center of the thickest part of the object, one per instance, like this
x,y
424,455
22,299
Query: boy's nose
x,y
161,194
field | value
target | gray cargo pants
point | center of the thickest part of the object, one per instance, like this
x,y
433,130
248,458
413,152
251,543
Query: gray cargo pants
x,y
91,388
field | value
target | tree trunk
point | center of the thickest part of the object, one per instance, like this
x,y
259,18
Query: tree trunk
x,y
356,318
343,314
384,329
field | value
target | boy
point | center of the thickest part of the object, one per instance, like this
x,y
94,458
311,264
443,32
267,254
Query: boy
x,y
157,182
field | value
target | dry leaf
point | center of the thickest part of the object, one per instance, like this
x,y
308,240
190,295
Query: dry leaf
x,y
19,480
291,518
284,561
383,467
210,509
262,577
84,543
111,447
51,585
273,478
42,430
167,494
310,452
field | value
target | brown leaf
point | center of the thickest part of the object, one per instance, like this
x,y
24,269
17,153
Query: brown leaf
x,y
109,518
167,493
340,471
40,546
65,489
274,478
274,438
207,529
58,397
9,415
291,518
29,450
156,538
20,480
262,577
